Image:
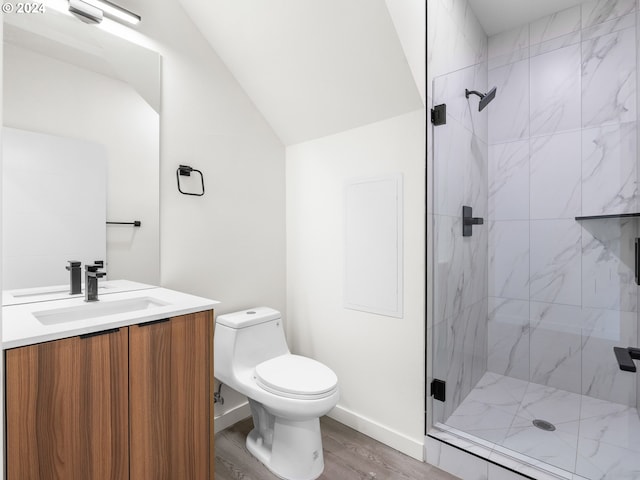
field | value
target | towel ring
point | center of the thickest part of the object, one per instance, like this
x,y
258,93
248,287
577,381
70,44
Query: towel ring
x,y
185,171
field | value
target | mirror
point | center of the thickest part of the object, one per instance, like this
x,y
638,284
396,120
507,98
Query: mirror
x,y
77,83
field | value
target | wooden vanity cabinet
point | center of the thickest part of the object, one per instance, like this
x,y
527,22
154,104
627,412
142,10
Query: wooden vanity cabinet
x,y
135,402
169,398
67,409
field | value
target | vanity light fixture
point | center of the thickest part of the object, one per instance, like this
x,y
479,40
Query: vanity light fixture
x,y
85,12
116,12
94,9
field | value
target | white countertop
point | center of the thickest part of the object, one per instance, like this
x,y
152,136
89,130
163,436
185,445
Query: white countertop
x,y
20,326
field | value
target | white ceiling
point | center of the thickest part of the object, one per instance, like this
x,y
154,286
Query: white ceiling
x,y
496,16
312,67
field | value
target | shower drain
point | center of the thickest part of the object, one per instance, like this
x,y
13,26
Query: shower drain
x,y
544,425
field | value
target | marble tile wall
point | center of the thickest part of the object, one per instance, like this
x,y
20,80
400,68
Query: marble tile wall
x,y
562,135
455,38
456,59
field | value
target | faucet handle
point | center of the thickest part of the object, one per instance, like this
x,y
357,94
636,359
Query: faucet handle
x,y
93,270
73,264
97,265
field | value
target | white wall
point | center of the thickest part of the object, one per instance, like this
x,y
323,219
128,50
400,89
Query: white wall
x,y
379,360
46,95
228,245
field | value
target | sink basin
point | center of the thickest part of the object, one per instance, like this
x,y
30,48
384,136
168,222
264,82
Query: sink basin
x,y
96,309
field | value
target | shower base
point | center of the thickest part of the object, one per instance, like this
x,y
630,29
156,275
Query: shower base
x,y
591,439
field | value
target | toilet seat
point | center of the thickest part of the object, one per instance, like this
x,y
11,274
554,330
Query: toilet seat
x,y
294,376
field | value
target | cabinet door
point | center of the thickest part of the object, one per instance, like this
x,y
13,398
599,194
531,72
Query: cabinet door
x,y
67,409
170,380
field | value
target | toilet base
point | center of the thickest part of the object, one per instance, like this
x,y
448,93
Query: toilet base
x,y
292,450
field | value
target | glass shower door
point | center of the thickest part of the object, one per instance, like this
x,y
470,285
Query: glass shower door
x,y
459,261
527,308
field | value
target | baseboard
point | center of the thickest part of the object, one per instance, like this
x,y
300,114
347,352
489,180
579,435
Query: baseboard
x,y
364,425
231,417
402,443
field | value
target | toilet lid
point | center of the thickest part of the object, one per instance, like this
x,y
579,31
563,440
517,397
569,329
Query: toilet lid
x,y
295,375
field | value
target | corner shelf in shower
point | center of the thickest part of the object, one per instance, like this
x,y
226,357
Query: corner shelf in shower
x,y
637,241
599,217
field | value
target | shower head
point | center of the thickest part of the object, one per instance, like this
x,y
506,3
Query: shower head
x,y
485,98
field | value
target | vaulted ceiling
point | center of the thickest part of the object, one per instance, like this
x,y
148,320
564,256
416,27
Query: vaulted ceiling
x,y
315,67
318,67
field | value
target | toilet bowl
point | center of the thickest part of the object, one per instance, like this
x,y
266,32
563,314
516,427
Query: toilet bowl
x,y
287,393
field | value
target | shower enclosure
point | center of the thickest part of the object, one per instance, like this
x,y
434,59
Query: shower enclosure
x,y
527,308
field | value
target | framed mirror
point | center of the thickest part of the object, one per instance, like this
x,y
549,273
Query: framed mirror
x,y
75,84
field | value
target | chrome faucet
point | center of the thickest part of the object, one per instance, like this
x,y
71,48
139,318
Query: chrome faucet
x,y
75,280
91,276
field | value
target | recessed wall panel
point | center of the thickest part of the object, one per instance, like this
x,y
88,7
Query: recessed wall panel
x,y
373,245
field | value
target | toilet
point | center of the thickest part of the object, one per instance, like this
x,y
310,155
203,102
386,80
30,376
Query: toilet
x,y
287,393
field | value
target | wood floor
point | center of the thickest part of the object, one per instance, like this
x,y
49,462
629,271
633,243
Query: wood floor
x,y
347,455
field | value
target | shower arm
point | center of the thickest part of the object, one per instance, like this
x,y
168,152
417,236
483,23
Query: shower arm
x,y
468,92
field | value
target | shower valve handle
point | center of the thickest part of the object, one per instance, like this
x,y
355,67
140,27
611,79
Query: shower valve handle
x,y
474,221
468,220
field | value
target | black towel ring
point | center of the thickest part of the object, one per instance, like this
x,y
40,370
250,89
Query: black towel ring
x,y
185,171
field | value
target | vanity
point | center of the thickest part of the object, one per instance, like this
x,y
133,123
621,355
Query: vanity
x,y
122,387
115,389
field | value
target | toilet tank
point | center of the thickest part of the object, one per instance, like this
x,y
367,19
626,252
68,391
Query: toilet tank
x,y
244,339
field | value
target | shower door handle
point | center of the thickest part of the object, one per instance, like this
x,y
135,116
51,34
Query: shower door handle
x,y
468,220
